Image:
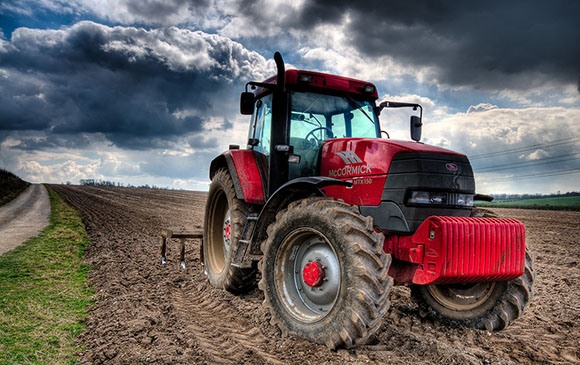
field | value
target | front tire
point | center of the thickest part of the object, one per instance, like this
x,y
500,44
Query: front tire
x,y
225,218
324,273
491,306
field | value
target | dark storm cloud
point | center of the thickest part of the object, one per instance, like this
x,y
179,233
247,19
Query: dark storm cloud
x,y
35,143
136,87
483,44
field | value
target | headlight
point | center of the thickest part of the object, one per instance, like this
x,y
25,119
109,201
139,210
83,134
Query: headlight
x,y
424,197
419,197
441,198
438,198
465,200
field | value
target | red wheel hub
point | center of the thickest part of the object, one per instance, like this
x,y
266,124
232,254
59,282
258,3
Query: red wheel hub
x,y
313,274
228,229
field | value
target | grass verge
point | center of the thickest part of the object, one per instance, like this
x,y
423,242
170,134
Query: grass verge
x,y
559,203
43,293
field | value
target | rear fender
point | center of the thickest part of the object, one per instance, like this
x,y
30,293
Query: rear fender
x,y
300,188
244,172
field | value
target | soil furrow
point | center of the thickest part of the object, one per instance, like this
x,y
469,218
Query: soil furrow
x,y
152,313
197,311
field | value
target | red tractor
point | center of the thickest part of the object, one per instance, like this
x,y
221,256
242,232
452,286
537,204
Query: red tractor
x,y
328,215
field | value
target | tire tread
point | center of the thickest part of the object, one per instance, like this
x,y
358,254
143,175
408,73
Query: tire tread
x,y
368,302
235,280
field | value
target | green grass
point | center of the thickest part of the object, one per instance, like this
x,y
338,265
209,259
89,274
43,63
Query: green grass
x,y
43,294
561,203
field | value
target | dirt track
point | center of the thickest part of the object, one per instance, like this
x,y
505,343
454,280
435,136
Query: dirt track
x,y
146,312
24,217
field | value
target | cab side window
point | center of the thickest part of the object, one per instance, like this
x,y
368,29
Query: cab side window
x,y
263,115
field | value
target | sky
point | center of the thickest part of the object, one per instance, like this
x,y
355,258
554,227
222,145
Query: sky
x,y
147,91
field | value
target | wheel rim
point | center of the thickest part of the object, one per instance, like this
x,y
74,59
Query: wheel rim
x,y
301,250
461,297
227,233
218,245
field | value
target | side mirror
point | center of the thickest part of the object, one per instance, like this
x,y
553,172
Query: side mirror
x,y
247,103
416,128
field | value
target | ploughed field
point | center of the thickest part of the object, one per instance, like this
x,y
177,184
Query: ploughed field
x,y
146,312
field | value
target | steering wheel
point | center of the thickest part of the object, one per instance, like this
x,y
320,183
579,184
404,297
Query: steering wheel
x,y
317,129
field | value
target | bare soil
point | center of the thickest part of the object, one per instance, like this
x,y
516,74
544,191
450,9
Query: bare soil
x,y
146,312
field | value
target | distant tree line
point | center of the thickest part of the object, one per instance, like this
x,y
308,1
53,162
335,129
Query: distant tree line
x,y
533,196
98,182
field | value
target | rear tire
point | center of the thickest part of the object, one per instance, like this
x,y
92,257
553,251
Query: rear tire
x,y
347,307
225,218
491,306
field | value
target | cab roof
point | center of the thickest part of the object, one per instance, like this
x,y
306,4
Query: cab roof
x,y
324,81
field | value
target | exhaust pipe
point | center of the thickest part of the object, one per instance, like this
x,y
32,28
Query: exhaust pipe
x,y
278,172
281,77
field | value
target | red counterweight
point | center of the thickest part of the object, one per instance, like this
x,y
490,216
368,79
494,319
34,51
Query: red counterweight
x,y
459,250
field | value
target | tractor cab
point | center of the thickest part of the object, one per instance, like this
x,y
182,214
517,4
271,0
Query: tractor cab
x,y
293,114
314,117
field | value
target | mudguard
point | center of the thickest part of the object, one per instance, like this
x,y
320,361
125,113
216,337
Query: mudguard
x,y
244,173
299,188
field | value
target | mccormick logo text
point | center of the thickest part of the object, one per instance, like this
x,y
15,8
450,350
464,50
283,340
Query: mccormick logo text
x,y
350,158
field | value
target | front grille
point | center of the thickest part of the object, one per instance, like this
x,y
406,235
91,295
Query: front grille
x,y
453,199
425,171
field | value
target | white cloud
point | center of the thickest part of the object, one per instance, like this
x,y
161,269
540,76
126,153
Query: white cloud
x,y
257,19
492,130
396,120
191,184
33,171
481,108
329,46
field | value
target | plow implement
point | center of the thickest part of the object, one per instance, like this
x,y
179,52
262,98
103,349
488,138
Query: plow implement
x,y
182,234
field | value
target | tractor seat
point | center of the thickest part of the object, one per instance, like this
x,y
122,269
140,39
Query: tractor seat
x,y
308,158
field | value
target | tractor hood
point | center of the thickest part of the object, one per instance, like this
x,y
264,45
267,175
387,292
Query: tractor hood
x,y
352,157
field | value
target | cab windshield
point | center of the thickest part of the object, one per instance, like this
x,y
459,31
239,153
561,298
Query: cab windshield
x,y
315,118
324,117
